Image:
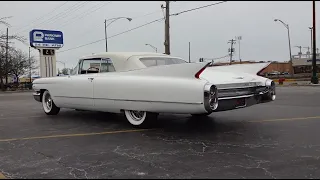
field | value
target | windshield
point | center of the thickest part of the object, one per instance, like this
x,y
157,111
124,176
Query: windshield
x,y
158,61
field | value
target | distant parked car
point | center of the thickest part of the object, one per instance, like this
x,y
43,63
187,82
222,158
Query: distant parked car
x,y
285,73
274,73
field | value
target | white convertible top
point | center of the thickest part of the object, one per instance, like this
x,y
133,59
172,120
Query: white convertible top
x,y
122,56
120,59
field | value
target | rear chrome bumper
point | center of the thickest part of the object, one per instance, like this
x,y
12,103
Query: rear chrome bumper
x,y
239,102
242,101
37,96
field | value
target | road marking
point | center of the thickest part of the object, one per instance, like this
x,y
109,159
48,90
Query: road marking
x,y
287,119
75,135
2,176
17,117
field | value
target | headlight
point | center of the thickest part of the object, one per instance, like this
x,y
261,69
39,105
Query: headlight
x,y
210,97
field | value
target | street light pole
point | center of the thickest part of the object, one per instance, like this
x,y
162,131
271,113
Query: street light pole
x,y
311,28
189,53
106,25
287,26
239,39
314,78
289,44
152,47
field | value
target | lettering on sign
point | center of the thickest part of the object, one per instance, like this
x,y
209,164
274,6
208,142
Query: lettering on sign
x,y
48,52
46,38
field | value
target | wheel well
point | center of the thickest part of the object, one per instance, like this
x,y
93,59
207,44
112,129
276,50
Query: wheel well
x,y
41,93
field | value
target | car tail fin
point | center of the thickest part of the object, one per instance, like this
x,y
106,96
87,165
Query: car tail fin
x,y
197,75
186,70
252,68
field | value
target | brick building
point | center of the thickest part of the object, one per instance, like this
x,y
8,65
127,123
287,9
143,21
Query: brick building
x,y
274,66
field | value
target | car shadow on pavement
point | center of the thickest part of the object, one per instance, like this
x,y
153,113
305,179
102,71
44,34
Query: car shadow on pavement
x,y
168,123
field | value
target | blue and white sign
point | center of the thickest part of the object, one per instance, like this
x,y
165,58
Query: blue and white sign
x,y
46,38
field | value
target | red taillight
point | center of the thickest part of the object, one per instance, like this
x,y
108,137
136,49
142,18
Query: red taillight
x,y
199,72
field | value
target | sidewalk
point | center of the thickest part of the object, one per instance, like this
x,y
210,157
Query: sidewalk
x,y
16,91
298,83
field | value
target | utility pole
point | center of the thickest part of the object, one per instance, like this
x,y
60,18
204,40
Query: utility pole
x,y
7,48
167,29
314,78
300,47
189,54
308,52
29,65
239,39
105,34
232,41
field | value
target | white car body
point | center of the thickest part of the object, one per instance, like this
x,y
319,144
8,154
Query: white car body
x,y
124,82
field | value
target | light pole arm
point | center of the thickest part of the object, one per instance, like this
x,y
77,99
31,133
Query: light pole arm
x,y
106,25
115,19
152,47
285,25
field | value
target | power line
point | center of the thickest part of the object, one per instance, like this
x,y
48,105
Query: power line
x,y
59,15
175,14
65,14
100,6
112,36
136,17
41,17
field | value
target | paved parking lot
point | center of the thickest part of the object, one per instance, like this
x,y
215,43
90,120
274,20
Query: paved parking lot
x,y
272,140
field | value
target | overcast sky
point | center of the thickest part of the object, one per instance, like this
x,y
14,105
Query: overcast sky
x,y
208,29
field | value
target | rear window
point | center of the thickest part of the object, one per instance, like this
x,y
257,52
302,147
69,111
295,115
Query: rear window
x,y
159,61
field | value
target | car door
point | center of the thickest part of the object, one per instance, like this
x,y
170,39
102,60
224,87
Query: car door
x,y
80,86
103,99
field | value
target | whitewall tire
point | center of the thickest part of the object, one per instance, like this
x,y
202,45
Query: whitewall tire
x,y
140,118
48,105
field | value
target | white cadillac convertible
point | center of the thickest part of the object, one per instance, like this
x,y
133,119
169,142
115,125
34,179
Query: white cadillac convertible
x,y
142,85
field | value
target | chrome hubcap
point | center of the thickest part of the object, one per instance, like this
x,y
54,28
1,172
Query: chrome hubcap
x,y
48,101
137,115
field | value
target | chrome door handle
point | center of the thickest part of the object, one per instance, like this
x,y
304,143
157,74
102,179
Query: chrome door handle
x,y
91,79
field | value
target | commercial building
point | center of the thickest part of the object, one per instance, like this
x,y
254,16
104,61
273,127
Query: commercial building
x,y
273,66
302,64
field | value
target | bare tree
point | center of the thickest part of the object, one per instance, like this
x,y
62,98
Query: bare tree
x,y
19,63
6,45
64,71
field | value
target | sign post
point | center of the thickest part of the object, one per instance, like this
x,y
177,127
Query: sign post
x,y
47,42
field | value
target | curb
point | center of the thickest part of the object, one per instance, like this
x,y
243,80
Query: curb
x,y
287,80
21,91
310,85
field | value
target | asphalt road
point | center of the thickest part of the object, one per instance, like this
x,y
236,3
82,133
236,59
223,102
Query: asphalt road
x,y
273,140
